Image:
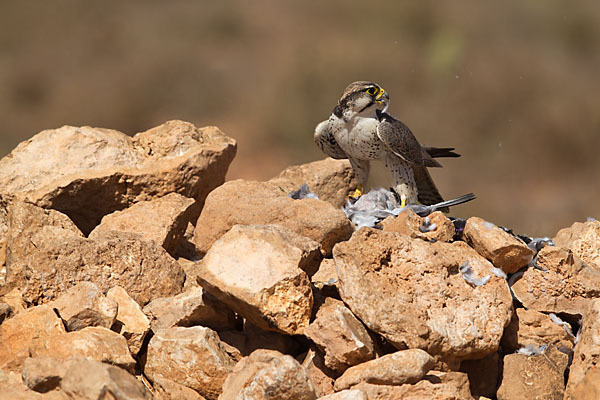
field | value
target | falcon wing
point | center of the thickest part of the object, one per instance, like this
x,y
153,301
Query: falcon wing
x,y
400,140
326,141
428,193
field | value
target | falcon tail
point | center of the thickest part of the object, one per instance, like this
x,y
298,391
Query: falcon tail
x,y
437,152
454,202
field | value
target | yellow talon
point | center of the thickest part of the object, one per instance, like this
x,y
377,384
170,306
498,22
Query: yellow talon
x,y
403,201
358,192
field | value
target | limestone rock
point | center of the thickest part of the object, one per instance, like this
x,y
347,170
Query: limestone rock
x,y
484,374
326,275
17,333
341,335
84,305
588,388
162,220
587,351
43,374
89,379
95,343
6,311
436,226
166,389
192,307
414,293
563,285
268,375
46,255
505,251
192,357
252,338
247,202
534,377
350,394
532,328
583,239
331,180
322,377
87,173
257,274
405,366
14,299
435,385
131,322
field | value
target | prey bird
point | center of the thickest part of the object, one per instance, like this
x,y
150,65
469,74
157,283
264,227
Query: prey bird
x,y
360,129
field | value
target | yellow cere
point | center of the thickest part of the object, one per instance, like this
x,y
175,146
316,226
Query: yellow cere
x,y
381,93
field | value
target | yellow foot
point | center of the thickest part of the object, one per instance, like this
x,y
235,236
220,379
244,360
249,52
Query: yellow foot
x,y
403,201
357,193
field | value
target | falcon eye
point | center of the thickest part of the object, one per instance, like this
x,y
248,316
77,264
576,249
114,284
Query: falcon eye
x,y
371,91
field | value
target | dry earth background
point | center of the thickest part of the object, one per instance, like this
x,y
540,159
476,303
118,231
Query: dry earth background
x,y
514,86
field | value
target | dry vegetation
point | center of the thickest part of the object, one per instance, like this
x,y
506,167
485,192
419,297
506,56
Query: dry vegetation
x,y
514,86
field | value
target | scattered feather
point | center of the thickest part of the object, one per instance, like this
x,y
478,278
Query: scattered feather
x,y
469,276
562,323
499,273
303,193
591,219
532,350
427,226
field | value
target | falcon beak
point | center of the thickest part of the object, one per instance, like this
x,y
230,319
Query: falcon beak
x,y
383,98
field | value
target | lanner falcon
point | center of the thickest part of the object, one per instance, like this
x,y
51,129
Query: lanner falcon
x,y
360,130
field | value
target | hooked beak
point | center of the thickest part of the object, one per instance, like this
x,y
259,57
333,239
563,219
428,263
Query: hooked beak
x,y
383,98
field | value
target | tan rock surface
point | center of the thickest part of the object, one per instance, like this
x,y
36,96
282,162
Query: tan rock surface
x,y
258,275
331,180
322,377
589,387
564,285
326,275
46,255
583,239
249,202
484,374
89,379
350,394
435,385
87,173
192,357
529,327
162,220
414,294
504,250
340,335
84,305
268,375
195,306
404,366
587,350
43,374
6,311
166,389
534,377
252,338
17,333
95,343
436,226
131,322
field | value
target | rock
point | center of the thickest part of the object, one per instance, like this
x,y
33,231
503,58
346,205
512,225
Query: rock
x,y
162,220
193,307
192,357
341,336
405,366
89,379
350,394
326,275
587,351
583,239
504,250
166,389
268,375
87,173
532,328
46,255
563,284
414,294
6,311
253,338
484,374
258,275
435,385
131,322
589,387
186,248
43,374
434,227
331,180
84,305
18,391
247,202
17,334
537,377
322,377
14,299
95,343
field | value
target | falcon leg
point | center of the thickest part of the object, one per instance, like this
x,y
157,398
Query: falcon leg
x,y
404,178
361,171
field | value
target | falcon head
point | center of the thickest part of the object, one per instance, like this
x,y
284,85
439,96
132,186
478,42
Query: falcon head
x,y
361,97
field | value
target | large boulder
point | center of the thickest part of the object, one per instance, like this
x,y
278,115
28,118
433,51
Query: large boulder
x,y
87,172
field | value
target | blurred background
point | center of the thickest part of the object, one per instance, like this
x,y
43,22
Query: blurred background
x,y
514,86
